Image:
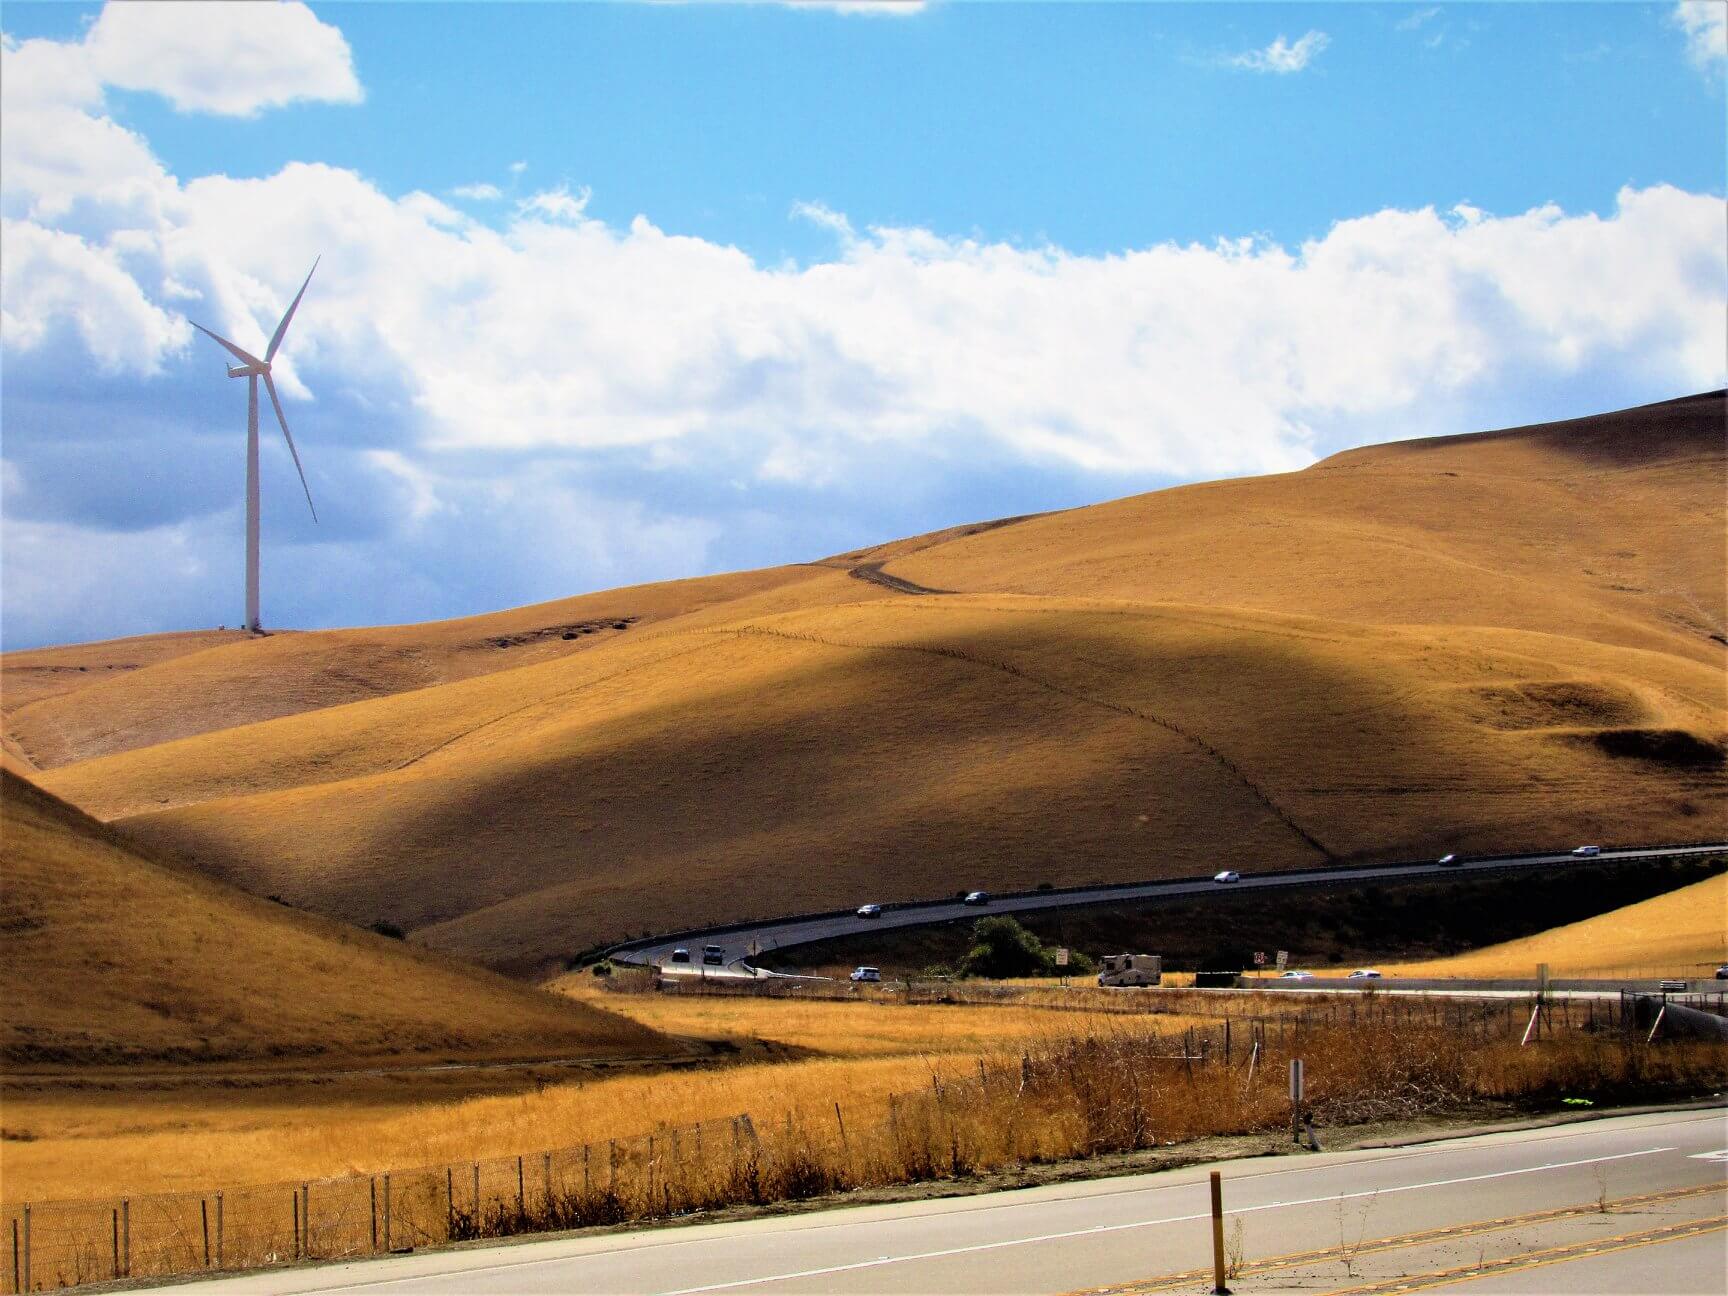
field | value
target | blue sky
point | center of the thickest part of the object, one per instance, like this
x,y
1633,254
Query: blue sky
x,y
617,292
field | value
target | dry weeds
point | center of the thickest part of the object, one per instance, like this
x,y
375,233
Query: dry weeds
x,y
1115,1092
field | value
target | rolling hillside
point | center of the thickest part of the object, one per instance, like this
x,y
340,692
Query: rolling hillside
x,y
115,958
1682,933
1481,642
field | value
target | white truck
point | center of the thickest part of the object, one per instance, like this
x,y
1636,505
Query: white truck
x,y
1130,970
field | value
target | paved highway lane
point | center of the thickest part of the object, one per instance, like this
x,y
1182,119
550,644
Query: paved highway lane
x,y
739,942
1513,1211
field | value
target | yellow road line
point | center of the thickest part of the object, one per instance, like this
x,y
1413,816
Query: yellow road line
x,y
1538,1259
1170,1282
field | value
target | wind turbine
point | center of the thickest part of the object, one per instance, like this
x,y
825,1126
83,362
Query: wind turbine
x,y
252,369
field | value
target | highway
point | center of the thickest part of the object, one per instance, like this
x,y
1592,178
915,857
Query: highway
x,y
740,943
1624,1204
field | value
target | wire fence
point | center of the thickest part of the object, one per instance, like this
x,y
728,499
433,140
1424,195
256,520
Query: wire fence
x,y
63,1244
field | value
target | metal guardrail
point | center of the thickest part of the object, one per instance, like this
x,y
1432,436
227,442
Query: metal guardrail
x,y
622,951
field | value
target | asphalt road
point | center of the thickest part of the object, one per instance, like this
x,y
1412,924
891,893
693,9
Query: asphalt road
x,y
740,943
1509,1212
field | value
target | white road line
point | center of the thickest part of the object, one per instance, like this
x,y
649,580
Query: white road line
x,y
1117,1228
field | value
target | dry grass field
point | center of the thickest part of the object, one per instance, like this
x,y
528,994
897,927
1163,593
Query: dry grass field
x,y
870,1028
104,1139
1682,934
1415,1066
1475,643
115,960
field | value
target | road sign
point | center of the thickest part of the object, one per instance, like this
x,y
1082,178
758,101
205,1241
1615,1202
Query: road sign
x,y
1283,959
1061,956
1259,958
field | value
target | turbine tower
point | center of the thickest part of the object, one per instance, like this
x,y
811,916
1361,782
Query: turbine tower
x,y
252,369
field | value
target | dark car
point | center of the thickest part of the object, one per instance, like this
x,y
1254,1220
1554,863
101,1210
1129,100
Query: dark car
x,y
680,955
976,898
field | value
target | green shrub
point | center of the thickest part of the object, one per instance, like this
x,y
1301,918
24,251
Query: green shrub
x,y
1001,947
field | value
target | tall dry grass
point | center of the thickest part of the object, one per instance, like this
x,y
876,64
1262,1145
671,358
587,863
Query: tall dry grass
x,y
881,1122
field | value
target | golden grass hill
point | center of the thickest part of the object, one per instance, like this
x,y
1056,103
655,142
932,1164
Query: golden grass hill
x,y
1505,640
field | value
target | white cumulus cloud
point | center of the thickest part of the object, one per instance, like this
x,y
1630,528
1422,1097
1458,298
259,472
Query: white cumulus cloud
x,y
217,56
1283,56
1705,23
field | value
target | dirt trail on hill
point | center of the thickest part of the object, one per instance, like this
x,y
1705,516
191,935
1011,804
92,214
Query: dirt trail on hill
x,y
873,573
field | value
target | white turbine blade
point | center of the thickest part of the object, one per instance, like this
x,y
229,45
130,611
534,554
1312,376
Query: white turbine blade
x,y
244,358
282,419
293,306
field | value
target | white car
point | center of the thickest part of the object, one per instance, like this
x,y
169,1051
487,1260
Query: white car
x,y
1584,852
1295,976
1448,861
870,911
866,974
1363,974
1227,876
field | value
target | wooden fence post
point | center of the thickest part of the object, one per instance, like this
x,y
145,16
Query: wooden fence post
x,y
521,1192
586,1183
476,1193
17,1281
449,1202
126,1235
1218,1287
204,1216
386,1212
546,1165
221,1254
372,1184
27,1283
298,1252
306,1215
841,1120
116,1223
